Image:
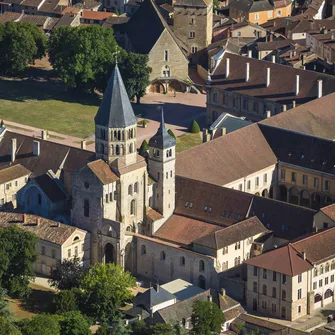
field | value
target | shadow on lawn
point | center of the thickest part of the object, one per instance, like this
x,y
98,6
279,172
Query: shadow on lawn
x,y
39,301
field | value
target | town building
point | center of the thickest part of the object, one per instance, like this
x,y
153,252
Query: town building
x,y
323,45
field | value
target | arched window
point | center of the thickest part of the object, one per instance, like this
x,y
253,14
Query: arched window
x,y
202,282
136,187
167,153
132,207
131,148
163,256
327,267
332,267
315,272
130,189
115,135
122,135
317,298
86,208
76,239
321,269
119,135
201,266
182,261
143,250
328,293
117,150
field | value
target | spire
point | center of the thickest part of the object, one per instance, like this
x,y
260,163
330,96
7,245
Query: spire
x,y
162,139
115,110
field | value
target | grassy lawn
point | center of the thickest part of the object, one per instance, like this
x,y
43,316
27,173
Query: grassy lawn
x,y
187,141
47,106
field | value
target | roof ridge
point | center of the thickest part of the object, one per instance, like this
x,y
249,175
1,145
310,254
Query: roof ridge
x,y
313,235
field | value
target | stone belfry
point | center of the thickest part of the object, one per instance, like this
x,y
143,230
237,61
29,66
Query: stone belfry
x,y
115,123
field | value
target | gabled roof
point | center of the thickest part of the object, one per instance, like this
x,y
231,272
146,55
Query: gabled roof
x,y
153,297
285,260
194,3
103,171
329,211
251,5
13,172
115,110
51,188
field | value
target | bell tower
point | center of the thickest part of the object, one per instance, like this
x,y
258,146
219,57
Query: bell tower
x,y
115,123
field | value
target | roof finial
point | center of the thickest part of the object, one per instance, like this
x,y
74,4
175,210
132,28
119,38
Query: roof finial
x,y
115,54
162,119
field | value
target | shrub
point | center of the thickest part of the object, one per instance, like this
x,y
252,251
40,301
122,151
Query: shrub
x,y
144,147
194,129
171,133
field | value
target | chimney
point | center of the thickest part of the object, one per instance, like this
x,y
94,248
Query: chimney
x,y
38,222
83,144
247,72
223,292
13,149
44,134
297,85
36,148
250,53
267,77
227,67
268,114
293,104
156,287
205,135
24,218
319,88
223,131
273,59
58,224
209,298
303,254
284,108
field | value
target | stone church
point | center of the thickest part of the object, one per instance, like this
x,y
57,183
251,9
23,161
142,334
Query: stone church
x,y
119,193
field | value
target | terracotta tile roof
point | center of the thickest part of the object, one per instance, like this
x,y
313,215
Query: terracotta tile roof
x,y
314,118
72,10
229,235
154,215
94,15
227,158
318,247
38,20
103,171
287,261
282,82
47,230
9,16
12,173
183,230
329,211
274,45
115,21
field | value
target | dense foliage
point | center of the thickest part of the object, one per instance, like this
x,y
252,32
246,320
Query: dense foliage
x,y
144,148
194,128
20,44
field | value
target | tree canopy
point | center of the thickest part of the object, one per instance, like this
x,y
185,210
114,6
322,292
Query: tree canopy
x,y
20,44
17,255
105,289
66,301
194,128
207,318
42,324
74,323
7,327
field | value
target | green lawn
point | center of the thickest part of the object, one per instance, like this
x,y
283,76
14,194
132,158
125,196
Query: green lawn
x,y
187,141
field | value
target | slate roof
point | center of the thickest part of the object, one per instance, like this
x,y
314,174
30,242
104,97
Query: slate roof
x,y
288,261
318,247
282,80
51,188
182,289
274,45
53,156
162,139
329,211
230,235
103,171
47,230
302,150
227,158
194,3
316,118
13,172
115,110
152,297
231,123
251,5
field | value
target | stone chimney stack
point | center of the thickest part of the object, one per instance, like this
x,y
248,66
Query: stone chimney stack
x,y
268,114
210,298
36,148
293,104
223,131
205,135
38,222
44,134
83,144
319,88
267,77
223,292
250,53
13,149
303,254
227,67
284,108
297,87
273,59
247,72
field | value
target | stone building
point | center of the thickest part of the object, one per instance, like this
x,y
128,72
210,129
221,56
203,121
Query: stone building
x,y
193,25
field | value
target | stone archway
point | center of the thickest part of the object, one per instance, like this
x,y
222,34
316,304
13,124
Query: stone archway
x,y
265,193
294,196
305,198
316,201
109,253
282,193
202,282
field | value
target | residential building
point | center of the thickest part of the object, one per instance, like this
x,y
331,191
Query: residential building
x,y
323,45
94,17
56,242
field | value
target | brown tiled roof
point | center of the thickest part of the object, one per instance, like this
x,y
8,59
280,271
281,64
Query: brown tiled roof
x,y
38,20
65,20
313,118
329,211
103,171
49,6
12,173
274,45
9,16
285,260
115,20
52,21
154,215
72,10
254,320
312,25
227,158
47,230
31,3
94,15
282,80
183,230
318,247
235,233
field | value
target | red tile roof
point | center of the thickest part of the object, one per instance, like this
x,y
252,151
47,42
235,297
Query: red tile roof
x,y
329,211
94,15
285,260
103,171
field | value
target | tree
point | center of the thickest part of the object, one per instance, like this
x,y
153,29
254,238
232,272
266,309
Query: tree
x,y
42,324
4,310
139,327
194,129
144,148
117,327
20,44
135,73
162,329
7,328
66,301
74,323
83,56
17,255
105,289
216,5
207,318
67,274
171,133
